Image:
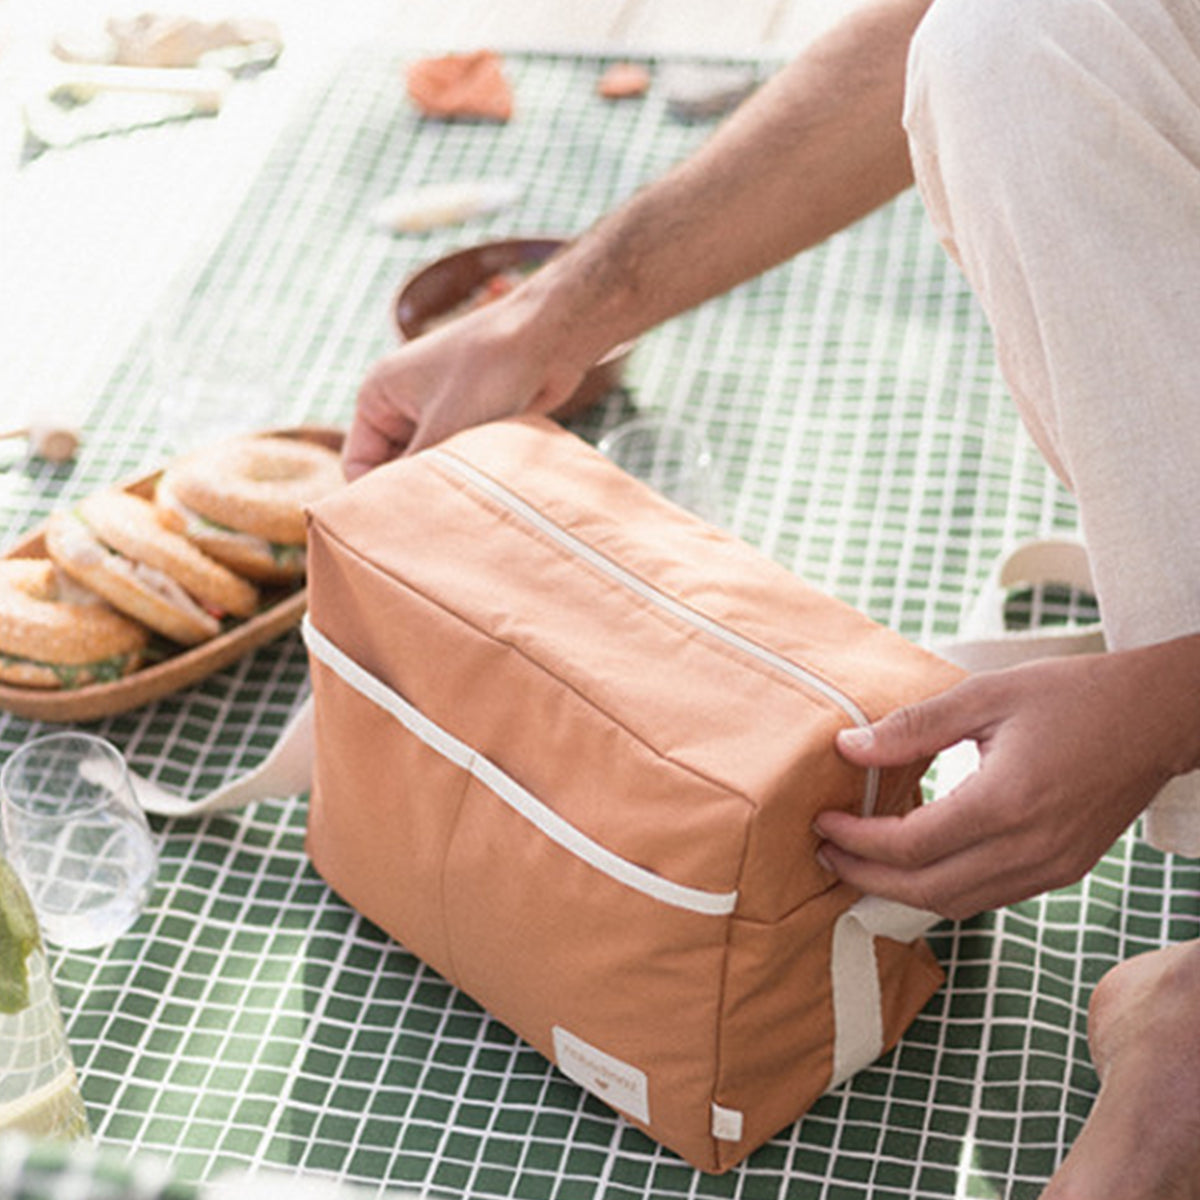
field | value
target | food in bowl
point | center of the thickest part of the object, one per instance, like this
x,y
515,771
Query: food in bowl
x,y
492,288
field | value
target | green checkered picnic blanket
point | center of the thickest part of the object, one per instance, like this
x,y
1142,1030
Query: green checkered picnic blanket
x,y
862,437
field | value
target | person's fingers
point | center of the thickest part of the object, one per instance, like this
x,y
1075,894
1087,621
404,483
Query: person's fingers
x,y
378,433
916,730
366,448
918,838
433,428
439,422
958,887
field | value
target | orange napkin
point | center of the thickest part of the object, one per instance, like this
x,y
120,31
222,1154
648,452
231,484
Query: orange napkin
x,y
461,85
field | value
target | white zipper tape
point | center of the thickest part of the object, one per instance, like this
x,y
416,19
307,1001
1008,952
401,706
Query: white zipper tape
x,y
505,788
522,508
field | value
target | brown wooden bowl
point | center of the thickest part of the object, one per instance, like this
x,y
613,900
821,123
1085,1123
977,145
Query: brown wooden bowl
x,y
281,609
429,296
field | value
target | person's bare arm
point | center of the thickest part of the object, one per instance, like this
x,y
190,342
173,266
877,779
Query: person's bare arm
x,y
820,145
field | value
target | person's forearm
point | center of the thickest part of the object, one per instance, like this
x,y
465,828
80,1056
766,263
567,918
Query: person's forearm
x,y
818,147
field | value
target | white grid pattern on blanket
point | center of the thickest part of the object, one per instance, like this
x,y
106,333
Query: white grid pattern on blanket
x,y
864,440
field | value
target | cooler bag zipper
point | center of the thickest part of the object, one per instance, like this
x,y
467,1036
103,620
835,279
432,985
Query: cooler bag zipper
x,y
647,591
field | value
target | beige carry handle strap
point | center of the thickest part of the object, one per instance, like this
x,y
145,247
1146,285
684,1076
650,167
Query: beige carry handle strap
x,y
286,771
857,999
984,643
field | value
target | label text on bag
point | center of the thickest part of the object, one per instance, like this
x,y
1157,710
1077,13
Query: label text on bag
x,y
613,1081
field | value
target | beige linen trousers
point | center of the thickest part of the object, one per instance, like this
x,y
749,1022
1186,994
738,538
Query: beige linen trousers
x,y
1056,144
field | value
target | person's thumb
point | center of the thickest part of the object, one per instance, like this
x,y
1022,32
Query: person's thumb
x,y
904,735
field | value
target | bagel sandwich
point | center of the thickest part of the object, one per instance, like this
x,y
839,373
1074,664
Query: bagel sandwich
x,y
56,634
243,501
114,543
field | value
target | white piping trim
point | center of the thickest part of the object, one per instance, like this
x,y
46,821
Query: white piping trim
x,y
677,608
505,788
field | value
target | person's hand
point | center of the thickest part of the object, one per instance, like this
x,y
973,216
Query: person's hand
x,y
476,368
1071,751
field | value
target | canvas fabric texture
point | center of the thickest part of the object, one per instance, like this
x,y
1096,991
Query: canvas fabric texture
x,y
570,741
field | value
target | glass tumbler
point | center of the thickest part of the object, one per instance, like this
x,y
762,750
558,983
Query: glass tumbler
x,y
671,458
74,832
39,1092
213,379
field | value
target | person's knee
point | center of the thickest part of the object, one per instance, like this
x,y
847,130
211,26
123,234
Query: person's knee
x,y
974,55
967,68
1000,57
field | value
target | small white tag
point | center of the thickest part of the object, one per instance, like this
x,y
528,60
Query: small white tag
x,y
615,1082
727,1123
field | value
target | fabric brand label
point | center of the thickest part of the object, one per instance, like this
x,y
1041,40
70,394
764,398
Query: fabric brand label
x,y
613,1081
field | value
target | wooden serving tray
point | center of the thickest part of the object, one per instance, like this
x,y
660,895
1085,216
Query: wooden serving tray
x,y
282,609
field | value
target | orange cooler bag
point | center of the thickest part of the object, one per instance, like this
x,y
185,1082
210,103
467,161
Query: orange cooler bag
x,y
570,741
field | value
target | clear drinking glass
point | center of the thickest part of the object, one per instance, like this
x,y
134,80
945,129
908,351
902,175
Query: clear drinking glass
x,y
212,380
74,832
671,458
39,1092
